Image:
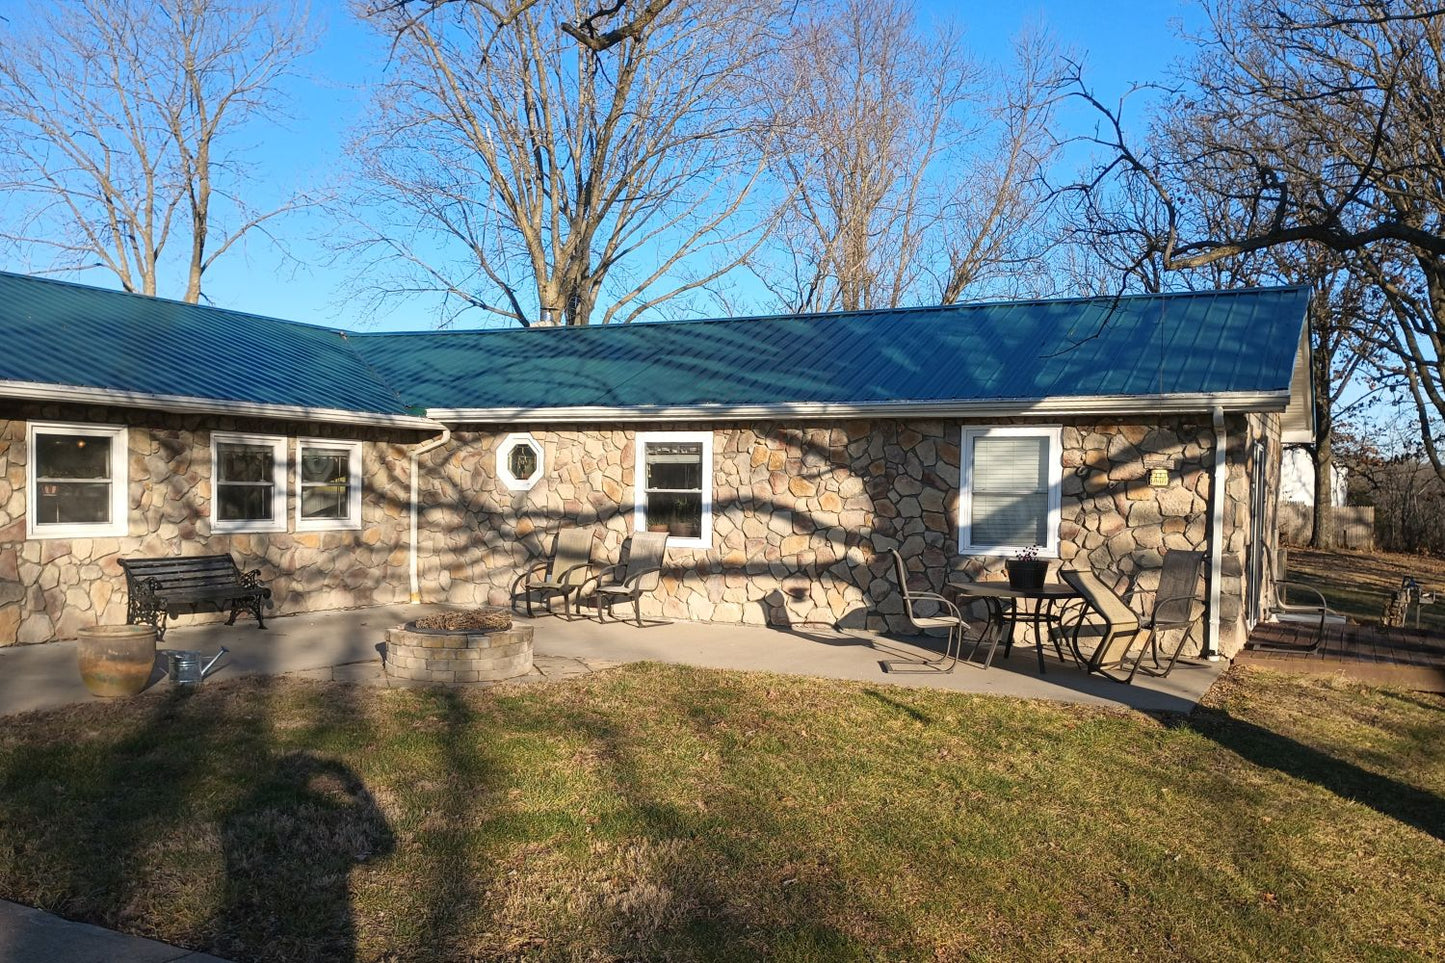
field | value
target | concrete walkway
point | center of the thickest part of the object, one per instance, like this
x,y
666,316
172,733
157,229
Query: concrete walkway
x,y
346,646
32,936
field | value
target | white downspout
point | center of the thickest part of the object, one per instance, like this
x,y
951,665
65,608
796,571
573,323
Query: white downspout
x,y
416,454
1216,534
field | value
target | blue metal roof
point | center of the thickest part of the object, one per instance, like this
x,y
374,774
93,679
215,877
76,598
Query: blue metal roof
x,y
59,333
1189,344
1182,344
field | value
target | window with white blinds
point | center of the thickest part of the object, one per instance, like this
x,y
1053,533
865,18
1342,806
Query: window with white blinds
x,y
1010,497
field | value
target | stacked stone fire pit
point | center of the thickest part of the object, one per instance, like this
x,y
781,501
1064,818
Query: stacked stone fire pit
x,y
479,645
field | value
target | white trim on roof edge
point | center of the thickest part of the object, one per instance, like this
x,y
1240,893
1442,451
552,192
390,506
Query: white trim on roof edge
x,y
1072,405
186,404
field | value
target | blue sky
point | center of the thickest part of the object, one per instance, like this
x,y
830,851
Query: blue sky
x,y
1122,43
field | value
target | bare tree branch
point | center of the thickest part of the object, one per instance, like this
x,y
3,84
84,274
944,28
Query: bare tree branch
x,y
119,129
530,166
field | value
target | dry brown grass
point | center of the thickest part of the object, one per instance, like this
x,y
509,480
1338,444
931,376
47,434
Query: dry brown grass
x,y
1357,584
671,813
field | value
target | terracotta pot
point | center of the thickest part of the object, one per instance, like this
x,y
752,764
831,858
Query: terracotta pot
x,y
116,660
1026,576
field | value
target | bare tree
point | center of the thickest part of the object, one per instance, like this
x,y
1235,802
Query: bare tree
x,y
904,165
602,27
1311,122
119,123
517,172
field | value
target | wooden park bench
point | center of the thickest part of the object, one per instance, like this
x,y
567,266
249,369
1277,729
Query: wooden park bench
x,y
157,588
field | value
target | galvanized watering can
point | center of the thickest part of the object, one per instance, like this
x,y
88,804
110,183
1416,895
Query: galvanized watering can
x,y
186,668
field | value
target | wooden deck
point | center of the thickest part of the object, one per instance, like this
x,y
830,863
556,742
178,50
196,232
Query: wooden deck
x,y
1407,658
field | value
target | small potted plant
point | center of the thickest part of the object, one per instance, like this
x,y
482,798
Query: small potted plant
x,y
1026,571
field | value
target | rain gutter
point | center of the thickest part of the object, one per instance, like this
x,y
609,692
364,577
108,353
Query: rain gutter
x,y
993,408
191,405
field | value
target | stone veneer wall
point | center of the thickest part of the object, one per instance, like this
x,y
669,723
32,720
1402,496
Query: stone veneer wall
x,y
49,588
802,513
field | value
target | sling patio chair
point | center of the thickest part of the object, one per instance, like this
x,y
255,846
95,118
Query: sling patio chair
x,y
1116,625
1315,612
641,574
945,615
1178,605
564,574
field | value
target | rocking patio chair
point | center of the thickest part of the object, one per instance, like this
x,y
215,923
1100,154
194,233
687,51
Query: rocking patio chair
x,y
641,574
569,568
947,617
1178,605
1316,612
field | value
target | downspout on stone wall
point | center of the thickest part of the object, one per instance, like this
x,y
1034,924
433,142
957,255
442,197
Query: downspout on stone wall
x,y
415,510
1216,533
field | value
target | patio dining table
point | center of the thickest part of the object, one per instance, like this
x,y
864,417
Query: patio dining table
x,y
1048,601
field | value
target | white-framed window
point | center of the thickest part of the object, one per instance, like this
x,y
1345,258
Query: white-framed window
x,y
328,485
1010,490
519,461
674,486
248,483
78,480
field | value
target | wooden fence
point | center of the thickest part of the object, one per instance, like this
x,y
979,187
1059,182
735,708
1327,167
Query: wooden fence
x,y
1354,526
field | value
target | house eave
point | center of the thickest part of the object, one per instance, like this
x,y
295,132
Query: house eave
x,y
993,408
187,404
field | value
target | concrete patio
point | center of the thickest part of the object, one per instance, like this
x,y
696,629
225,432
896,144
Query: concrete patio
x,y
346,646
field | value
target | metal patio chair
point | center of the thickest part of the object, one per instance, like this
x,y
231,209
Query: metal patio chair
x,y
641,574
1178,605
565,573
947,617
1315,612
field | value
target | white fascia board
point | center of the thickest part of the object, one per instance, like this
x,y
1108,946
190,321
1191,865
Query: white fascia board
x,y
1011,408
185,404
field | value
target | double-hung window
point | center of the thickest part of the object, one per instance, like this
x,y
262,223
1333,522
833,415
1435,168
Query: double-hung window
x,y
248,475
328,478
1010,490
77,481
674,486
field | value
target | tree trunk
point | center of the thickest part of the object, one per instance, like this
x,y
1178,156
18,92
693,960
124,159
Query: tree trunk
x,y
1323,534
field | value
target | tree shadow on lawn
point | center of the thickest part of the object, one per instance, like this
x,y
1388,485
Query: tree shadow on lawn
x,y
290,846
725,875
1423,810
88,864
194,824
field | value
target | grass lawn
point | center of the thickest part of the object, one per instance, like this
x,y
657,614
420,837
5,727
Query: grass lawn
x,y
661,812
1356,584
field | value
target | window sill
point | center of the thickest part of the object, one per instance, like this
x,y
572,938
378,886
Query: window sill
x,y
44,532
1007,554
337,525
696,543
247,528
